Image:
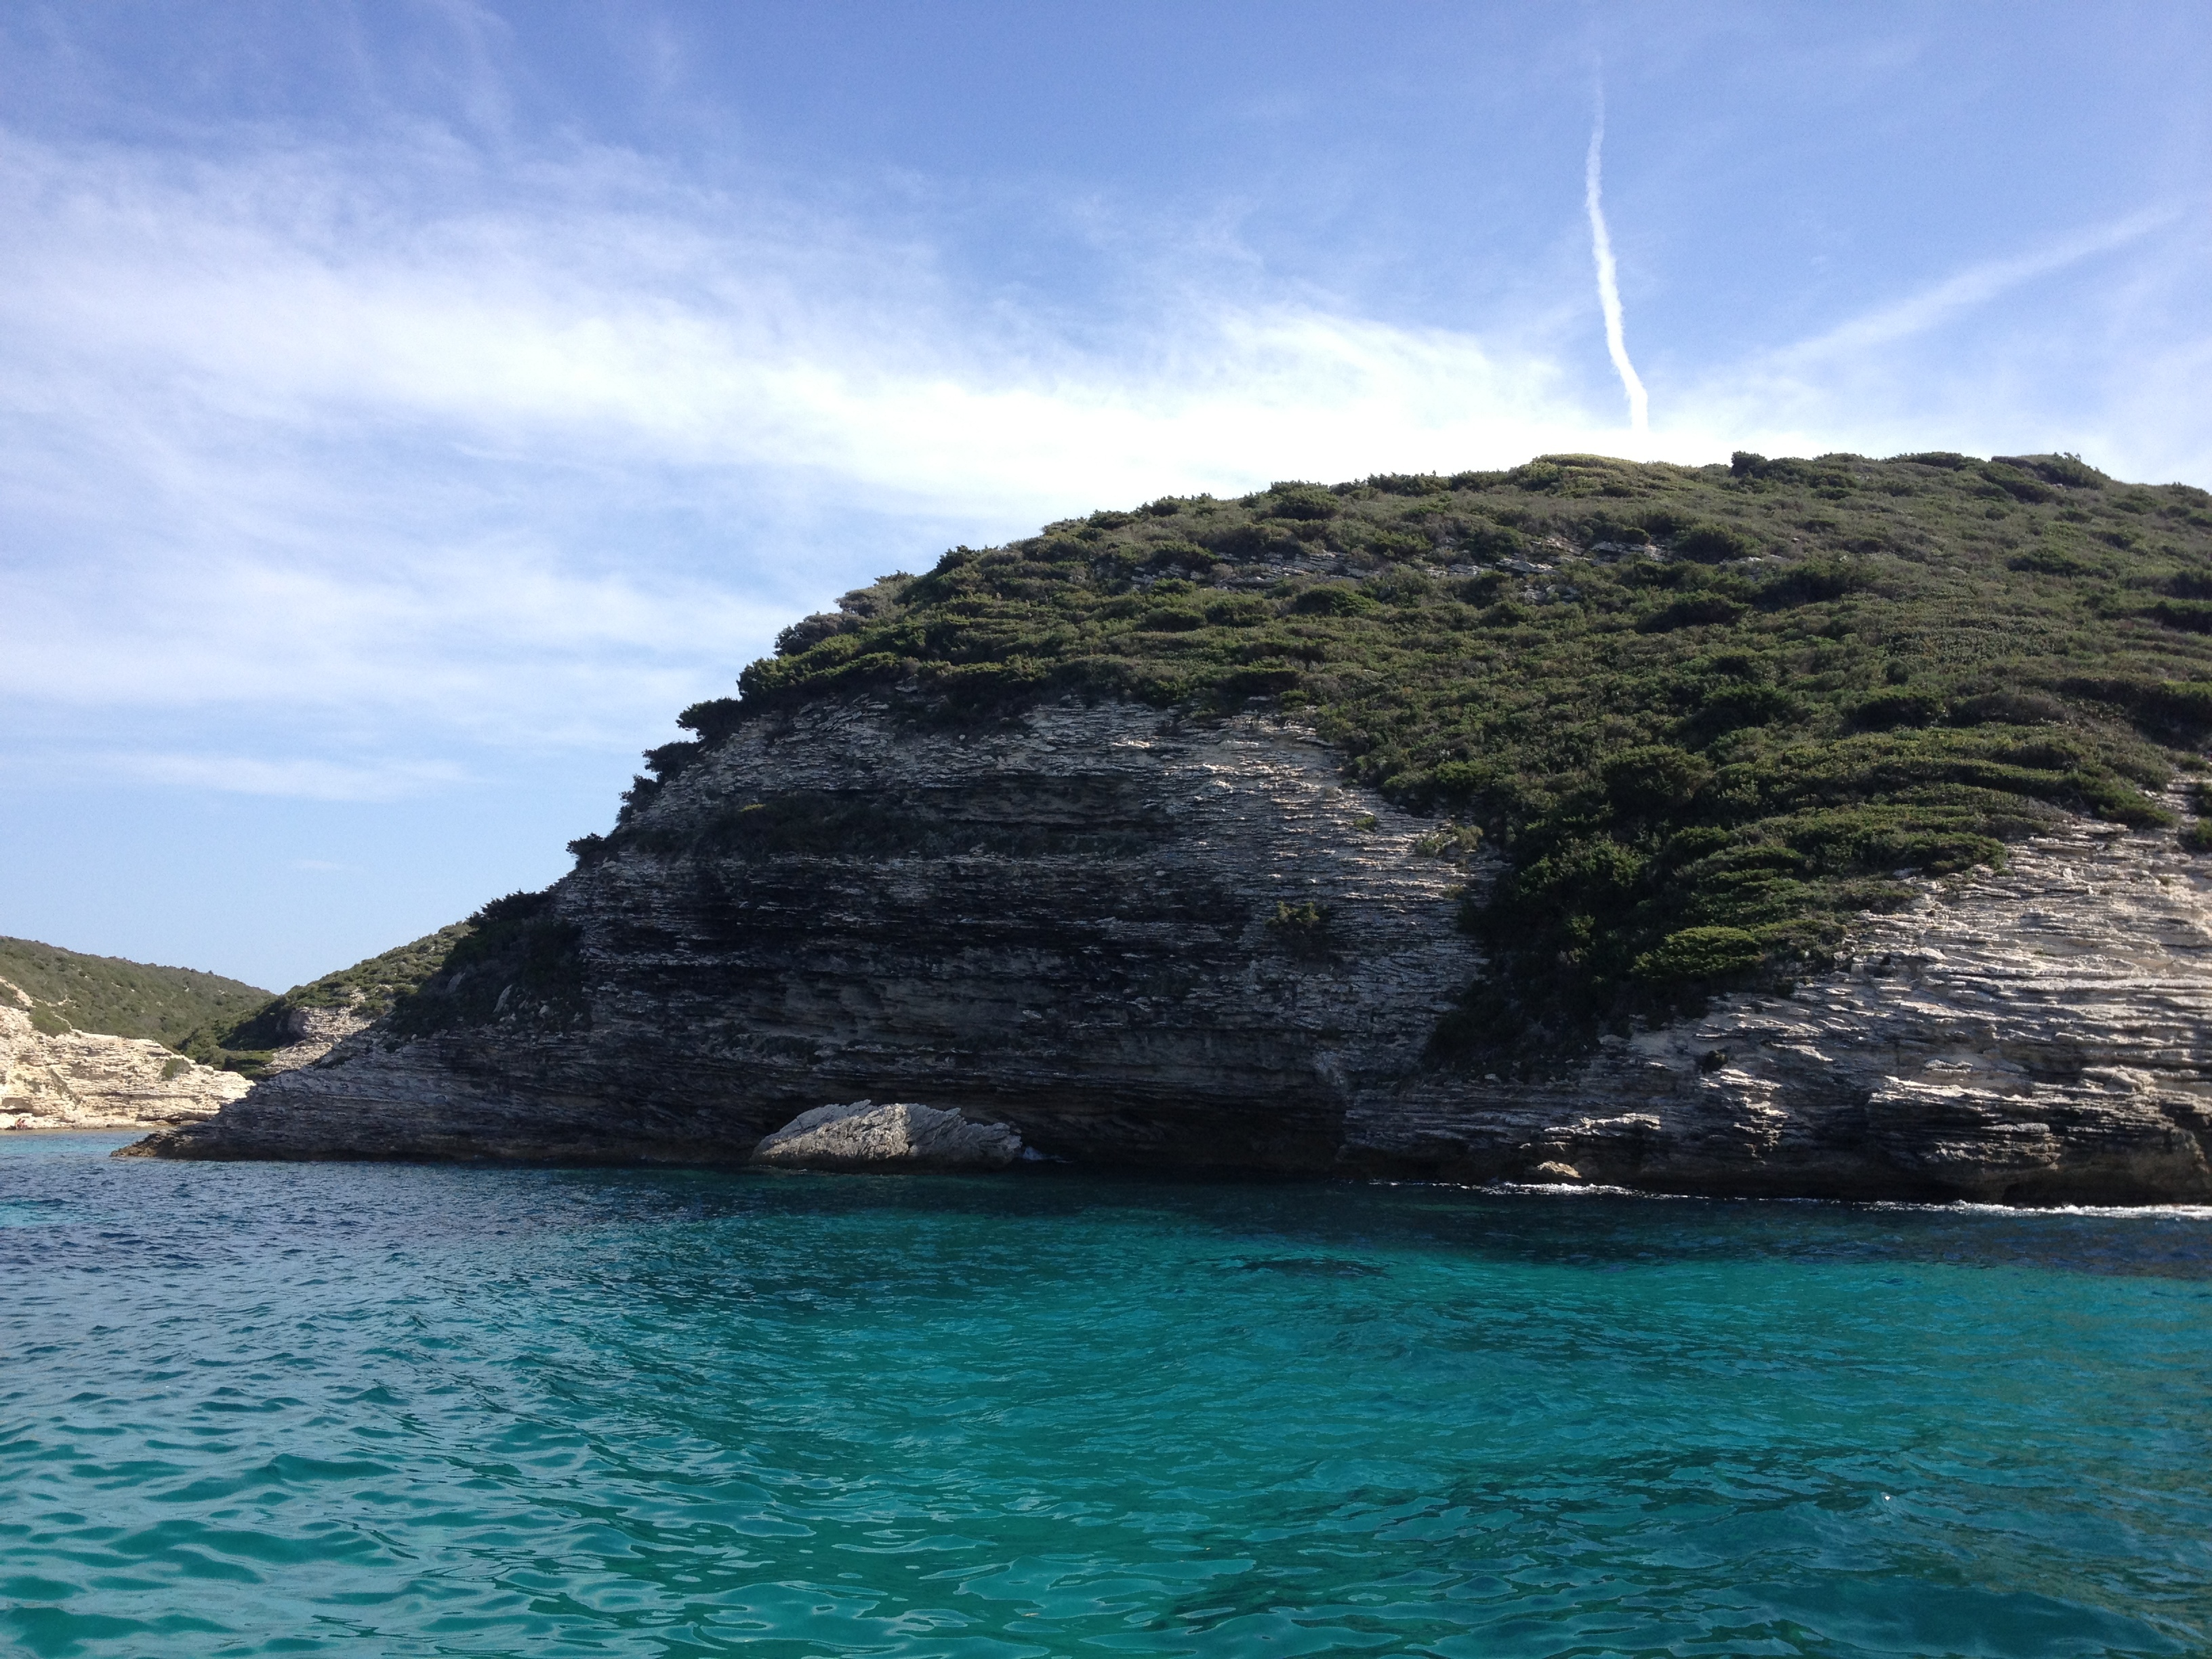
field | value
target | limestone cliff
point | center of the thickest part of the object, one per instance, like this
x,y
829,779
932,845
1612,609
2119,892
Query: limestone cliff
x,y
84,1080
2034,1035
1142,941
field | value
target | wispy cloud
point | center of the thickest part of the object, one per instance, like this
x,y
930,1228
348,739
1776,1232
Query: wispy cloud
x,y
350,436
388,452
2115,371
305,779
603,320
1942,301
1608,282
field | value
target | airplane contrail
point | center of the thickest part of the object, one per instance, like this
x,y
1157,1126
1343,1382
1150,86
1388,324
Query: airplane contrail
x,y
1608,287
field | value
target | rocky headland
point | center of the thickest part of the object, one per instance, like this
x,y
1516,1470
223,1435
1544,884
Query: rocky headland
x,y
1074,925
1364,835
99,1043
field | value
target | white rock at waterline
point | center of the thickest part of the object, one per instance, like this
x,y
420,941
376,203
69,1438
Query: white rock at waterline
x,y
899,1135
85,1080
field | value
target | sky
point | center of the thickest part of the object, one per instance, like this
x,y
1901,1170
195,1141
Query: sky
x,y
408,407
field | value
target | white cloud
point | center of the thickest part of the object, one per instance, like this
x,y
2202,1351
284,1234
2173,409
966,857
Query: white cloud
x,y
698,333
394,452
307,779
325,435
2111,366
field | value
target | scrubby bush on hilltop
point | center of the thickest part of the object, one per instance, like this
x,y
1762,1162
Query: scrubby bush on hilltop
x,y
69,990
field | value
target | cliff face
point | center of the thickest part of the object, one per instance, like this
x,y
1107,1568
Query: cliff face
x,y
83,1080
2034,1035
1071,925
1140,941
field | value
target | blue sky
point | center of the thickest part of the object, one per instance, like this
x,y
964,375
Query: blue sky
x,y
408,407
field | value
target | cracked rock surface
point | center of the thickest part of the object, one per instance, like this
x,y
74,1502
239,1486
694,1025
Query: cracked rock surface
x,y
898,1135
2033,1035
1139,941
310,1033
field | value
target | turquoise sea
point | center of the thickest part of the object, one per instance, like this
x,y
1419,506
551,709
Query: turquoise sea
x,y
368,1410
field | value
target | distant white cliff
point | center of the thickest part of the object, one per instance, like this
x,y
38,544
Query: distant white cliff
x,y
81,1080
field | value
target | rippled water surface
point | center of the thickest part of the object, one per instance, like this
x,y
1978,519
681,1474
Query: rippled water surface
x,y
250,1409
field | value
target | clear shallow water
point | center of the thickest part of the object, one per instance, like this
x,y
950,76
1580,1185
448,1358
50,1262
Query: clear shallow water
x,y
260,1409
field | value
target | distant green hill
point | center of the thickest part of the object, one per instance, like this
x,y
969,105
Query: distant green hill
x,y
216,1021
108,995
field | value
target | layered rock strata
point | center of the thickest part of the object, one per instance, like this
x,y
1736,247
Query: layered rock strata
x,y
1139,941
310,1033
83,1080
2038,1035
1074,925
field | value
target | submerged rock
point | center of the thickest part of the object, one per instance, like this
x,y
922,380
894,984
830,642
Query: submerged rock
x,y
896,1135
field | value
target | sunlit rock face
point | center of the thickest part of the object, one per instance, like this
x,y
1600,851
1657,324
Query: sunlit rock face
x,y
1074,924
1143,941
84,1080
310,1033
2034,1035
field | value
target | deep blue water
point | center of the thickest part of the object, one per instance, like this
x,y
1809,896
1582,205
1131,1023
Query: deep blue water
x,y
348,1409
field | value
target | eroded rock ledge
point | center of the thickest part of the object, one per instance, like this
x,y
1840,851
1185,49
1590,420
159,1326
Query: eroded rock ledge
x,y
1092,927
2036,1036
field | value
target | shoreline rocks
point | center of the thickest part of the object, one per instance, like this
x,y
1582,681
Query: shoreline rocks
x,y
898,1135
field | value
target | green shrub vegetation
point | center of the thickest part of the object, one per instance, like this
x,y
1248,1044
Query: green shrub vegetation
x,y
70,991
371,988
1704,714
1301,929
511,957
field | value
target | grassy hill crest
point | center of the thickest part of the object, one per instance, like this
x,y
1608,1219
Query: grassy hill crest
x,y
71,990
219,1022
